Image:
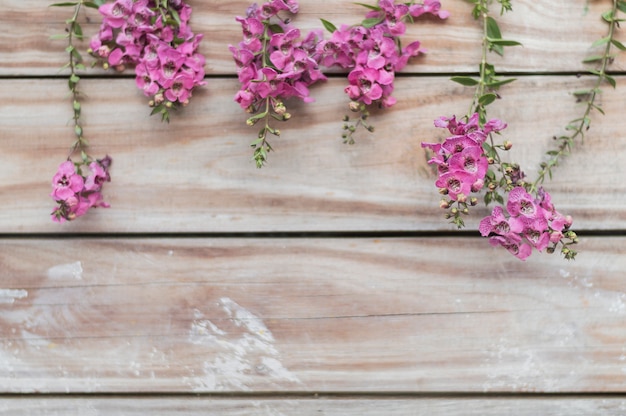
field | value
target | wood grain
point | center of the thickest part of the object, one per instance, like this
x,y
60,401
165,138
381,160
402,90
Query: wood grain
x,y
547,30
192,406
309,315
195,174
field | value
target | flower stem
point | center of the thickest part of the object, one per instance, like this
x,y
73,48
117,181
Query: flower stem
x,y
580,125
74,32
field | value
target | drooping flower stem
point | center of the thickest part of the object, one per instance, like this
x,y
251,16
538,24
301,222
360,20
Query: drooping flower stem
x,y
74,64
579,126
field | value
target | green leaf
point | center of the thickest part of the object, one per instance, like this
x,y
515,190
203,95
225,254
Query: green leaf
x,y
64,4
600,42
493,31
78,31
57,37
91,4
619,45
621,5
74,78
367,23
593,58
487,99
369,6
610,80
467,81
329,26
503,42
176,17
608,16
275,28
499,83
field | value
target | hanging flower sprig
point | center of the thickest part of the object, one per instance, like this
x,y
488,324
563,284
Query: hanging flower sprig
x,y
155,37
273,64
373,52
578,126
77,185
470,160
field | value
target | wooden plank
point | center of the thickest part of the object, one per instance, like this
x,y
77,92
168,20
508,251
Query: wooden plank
x,y
192,406
195,174
309,315
548,29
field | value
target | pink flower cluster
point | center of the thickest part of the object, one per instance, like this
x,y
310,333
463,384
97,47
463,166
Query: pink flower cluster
x,y
158,42
76,193
371,50
531,223
460,159
271,60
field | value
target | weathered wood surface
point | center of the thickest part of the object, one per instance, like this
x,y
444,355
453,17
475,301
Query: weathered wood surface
x,y
192,406
309,315
196,173
274,320
557,35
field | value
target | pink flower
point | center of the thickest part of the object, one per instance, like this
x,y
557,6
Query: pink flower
x,y
181,88
365,84
66,182
99,175
514,245
522,203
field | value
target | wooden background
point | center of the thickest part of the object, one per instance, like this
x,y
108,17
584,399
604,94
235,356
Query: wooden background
x,y
326,282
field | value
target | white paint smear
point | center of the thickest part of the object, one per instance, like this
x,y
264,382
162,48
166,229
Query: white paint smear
x,y
235,358
66,271
9,295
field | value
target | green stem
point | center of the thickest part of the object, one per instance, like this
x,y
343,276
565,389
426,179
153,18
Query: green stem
x,y
582,123
74,32
480,89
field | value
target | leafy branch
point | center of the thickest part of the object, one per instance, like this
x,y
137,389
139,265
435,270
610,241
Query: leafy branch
x,y
486,86
578,126
73,33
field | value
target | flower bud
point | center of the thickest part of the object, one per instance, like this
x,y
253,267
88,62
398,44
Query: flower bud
x,y
491,186
454,211
508,145
473,201
354,106
478,185
443,191
491,160
286,116
444,204
279,108
550,250
462,198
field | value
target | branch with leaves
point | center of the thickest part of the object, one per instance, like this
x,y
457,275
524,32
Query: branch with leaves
x,y
470,160
578,126
74,190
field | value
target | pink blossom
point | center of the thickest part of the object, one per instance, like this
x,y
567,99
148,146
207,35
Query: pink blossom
x,y
66,182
